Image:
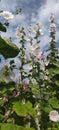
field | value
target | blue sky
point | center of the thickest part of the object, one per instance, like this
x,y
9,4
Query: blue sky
x,y
33,11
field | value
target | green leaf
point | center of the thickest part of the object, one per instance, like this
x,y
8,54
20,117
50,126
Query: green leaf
x,y
52,128
8,49
34,88
23,109
7,126
1,117
46,107
54,71
57,64
2,28
54,102
1,102
57,82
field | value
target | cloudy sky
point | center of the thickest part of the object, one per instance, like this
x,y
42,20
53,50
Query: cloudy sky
x,y
33,11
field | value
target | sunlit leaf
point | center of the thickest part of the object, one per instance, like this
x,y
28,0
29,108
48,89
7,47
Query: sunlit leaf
x,y
2,102
8,49
23,109
6,126
54,102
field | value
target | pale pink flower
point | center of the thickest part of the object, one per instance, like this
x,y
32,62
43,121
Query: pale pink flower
x,y
18,78
5,64
42,53
19,33
37,27
38,60
34,47
25,87
18,94
54,116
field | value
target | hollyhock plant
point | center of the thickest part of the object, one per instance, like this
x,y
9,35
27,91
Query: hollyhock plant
x,y
20,33
51,83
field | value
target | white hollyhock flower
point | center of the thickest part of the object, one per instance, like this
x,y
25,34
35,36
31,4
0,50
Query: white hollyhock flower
x,y
37,106
34,50
33,81
7,15
38,54
40,30
10,77
37,123
19,33
38,113
37,27
52,29
19,28
0,98
30,67
53,25
33,47
46,77
54,116
46,63
28,40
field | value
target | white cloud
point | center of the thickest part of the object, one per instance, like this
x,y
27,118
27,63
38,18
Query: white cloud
x,y
45,10
8,5
43,14
18,19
